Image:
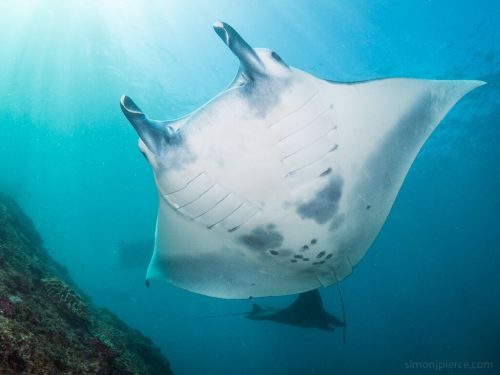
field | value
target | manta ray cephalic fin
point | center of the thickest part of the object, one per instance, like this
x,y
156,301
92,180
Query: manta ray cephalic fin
x,y
155,134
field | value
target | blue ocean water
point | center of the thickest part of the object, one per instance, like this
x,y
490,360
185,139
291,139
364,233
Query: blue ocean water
x,y
427,290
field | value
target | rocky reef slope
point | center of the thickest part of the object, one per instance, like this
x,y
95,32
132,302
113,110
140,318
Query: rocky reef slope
x,y
47,325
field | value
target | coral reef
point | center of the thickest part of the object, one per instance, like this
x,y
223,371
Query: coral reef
x,y
66,300
47,325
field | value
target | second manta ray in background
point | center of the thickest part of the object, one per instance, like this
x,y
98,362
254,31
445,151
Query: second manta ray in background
x,y
280,183
306,311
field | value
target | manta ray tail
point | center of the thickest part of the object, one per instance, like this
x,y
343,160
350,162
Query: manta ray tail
x,y
344,337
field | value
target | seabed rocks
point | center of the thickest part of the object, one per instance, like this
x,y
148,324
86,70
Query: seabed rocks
x,y
49,326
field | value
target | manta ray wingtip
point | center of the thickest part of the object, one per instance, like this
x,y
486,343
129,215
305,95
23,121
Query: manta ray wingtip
x,y
471,84
476,83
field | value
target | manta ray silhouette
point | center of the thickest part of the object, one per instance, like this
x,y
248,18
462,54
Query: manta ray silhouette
x,y
306,311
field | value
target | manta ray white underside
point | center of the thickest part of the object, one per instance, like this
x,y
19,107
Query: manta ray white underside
x,y
280,184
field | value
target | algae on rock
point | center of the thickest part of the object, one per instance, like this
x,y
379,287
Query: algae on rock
x,y
47,325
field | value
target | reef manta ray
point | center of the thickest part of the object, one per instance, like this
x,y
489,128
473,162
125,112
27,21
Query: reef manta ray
x,y
306,311
280,183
